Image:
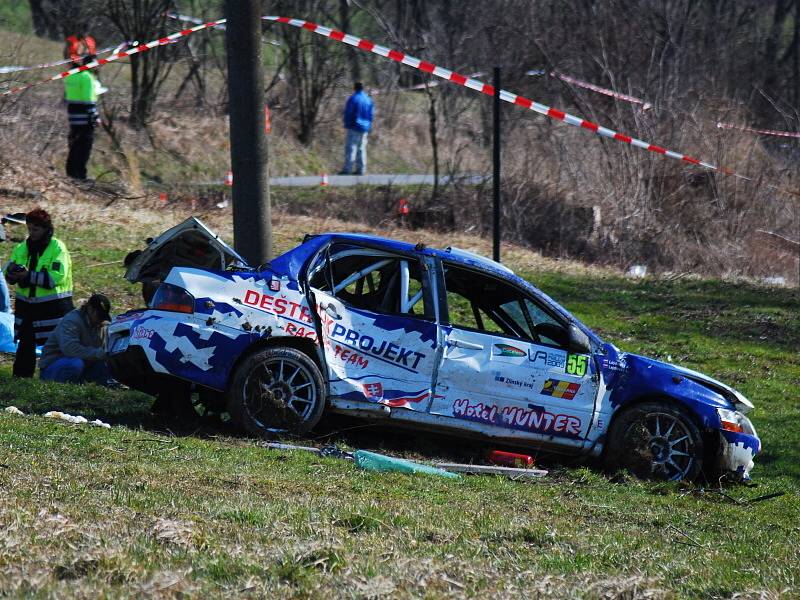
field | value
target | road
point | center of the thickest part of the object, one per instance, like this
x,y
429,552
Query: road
x,y
371,179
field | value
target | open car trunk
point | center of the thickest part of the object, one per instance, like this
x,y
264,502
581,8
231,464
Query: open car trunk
x,y
188,244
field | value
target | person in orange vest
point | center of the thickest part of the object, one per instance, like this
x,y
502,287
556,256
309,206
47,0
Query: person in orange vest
x,y
79,45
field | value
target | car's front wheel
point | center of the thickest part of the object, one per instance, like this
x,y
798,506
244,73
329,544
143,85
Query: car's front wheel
x,y
276,389
655,440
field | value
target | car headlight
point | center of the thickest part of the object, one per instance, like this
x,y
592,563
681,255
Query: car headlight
x,y
733,420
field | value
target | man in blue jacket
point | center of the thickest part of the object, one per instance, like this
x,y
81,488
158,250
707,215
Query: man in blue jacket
x,y
358,114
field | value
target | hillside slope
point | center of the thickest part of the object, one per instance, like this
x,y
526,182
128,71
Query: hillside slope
x,y
136,510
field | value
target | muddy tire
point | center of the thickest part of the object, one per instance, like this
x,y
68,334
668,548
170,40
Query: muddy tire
x,y
276,390
655,440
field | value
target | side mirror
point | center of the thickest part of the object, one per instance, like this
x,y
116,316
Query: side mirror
x,y
578,341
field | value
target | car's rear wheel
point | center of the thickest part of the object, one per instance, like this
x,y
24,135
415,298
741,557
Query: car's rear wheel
x,y
275,390
655,440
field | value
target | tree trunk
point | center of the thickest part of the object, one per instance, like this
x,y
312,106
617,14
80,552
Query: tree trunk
x,y
143,20
252,230
352,54
45,20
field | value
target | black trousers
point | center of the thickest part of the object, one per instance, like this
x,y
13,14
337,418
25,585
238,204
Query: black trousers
x,y
28,326
81,138
25,359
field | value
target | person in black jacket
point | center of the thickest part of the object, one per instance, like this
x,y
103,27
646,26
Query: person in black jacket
x,y
75,351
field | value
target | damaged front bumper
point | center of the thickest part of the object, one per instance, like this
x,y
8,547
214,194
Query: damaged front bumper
x,y
737,449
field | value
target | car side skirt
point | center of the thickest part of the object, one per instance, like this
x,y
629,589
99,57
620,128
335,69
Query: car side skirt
x,y
450,425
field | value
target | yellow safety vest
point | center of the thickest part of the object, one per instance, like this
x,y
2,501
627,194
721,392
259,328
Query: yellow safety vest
x,y
51,277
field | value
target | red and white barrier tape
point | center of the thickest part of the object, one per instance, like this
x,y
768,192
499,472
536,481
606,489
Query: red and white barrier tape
x,y
601,90
18,69
789,134
646,105
190,19
116,56
197,21
422,86
505,95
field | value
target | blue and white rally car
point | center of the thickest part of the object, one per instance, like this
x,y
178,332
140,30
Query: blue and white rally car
x,y
442,340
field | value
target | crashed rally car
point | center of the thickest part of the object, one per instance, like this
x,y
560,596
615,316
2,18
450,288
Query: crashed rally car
x,y
442,340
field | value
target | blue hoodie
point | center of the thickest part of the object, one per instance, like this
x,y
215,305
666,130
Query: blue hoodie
x,y
358,112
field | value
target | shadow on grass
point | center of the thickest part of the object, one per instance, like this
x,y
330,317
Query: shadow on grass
x,y
132,409
124,407
419,445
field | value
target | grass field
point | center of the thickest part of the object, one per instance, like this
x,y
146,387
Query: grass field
x,y
132,511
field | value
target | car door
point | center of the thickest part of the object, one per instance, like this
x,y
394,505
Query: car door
x,y
506,361
377,324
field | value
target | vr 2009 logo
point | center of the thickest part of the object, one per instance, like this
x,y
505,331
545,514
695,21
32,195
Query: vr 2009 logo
x,y
549,359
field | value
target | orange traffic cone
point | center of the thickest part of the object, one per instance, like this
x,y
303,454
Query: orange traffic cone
x,y
324,180
402,207
228,178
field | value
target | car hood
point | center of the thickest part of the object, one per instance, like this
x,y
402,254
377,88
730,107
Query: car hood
x,y
188,244
742,404
625,361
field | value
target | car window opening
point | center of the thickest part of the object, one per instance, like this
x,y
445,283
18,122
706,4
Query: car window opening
x,y
373,281
481,303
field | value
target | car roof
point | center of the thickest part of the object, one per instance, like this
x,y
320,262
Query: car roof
x,y
292,262
450,254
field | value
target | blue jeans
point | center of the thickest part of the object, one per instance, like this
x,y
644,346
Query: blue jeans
x,y
5,299
355,151
75,370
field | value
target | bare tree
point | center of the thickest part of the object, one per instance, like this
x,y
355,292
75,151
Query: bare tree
x,y
352,55
314,65
46,17
142,21
56,19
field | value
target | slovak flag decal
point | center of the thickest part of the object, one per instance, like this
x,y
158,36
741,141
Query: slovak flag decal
x,y
373,391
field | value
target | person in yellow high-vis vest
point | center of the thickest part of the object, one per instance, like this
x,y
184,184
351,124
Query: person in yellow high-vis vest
x,y
41,268
80,94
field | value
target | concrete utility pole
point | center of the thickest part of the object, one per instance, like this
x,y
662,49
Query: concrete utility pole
x,y
496,169
252,228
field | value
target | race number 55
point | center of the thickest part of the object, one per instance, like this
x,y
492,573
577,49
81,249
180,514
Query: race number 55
x,y
576,364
